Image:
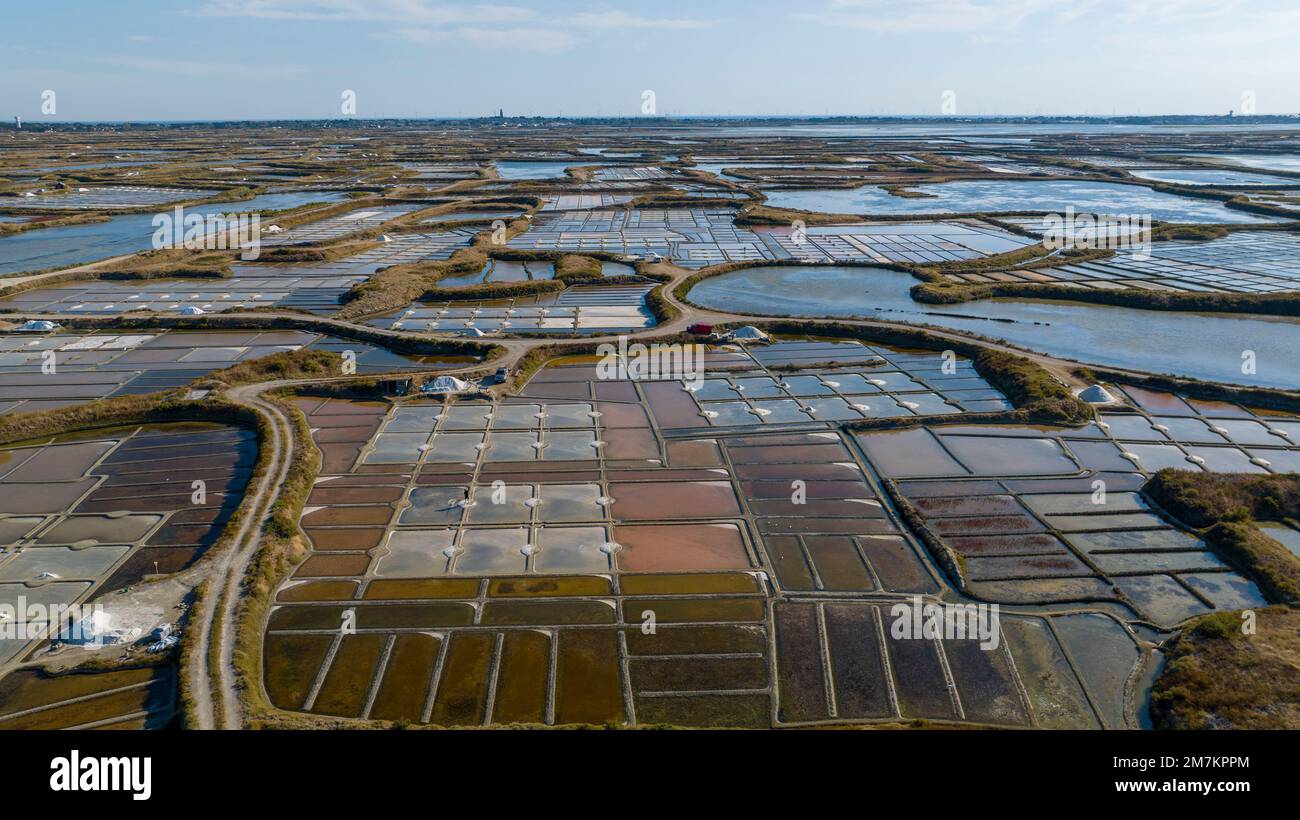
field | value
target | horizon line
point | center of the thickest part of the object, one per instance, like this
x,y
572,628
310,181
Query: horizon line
x,y
928,118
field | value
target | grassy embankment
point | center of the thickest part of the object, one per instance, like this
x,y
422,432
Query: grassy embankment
x,y
397,286
1218,677
107,415
1276,304
61,221
162,264
1217,674
283,548
302,363
1224,507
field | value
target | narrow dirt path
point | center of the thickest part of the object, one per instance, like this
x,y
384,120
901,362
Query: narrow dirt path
x,y
226,578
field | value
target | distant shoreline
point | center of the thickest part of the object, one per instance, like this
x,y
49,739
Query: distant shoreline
x,y
1172,120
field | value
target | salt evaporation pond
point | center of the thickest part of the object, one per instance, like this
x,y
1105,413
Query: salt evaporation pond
x,y
1211,176
963,131
542,169
977,196
717,168
1262,162
1196,345
78,244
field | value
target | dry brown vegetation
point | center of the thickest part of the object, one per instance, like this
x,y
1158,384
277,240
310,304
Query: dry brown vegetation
x,y
1279,304
60,221
302,363
1225,506
1218,677
1205,499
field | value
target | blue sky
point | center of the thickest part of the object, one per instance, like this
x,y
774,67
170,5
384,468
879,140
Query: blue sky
x,y
221,59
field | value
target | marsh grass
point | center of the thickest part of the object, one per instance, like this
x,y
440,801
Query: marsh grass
x,y
1218,677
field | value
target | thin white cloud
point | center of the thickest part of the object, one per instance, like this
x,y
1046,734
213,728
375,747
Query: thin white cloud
x,y
1177,11
418,12
205,68
1246,36
541,40
931,15
425,22
996,16
624,20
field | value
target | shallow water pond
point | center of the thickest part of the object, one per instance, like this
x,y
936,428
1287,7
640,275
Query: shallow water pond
x,y
976,196
534,170
121,235
1148,340
1210,176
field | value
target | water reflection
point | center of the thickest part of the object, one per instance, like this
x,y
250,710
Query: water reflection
x,y
1197,345
542,169
131,233
976,196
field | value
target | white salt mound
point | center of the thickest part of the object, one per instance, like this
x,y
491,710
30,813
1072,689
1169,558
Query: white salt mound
x,y
1096,395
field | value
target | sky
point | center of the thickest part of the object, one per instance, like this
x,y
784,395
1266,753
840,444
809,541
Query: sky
x,y
269,59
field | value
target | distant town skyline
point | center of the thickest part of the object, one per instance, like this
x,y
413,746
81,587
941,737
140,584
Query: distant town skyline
x,y
322,59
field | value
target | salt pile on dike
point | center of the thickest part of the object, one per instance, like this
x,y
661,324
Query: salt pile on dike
x,y
1096,395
